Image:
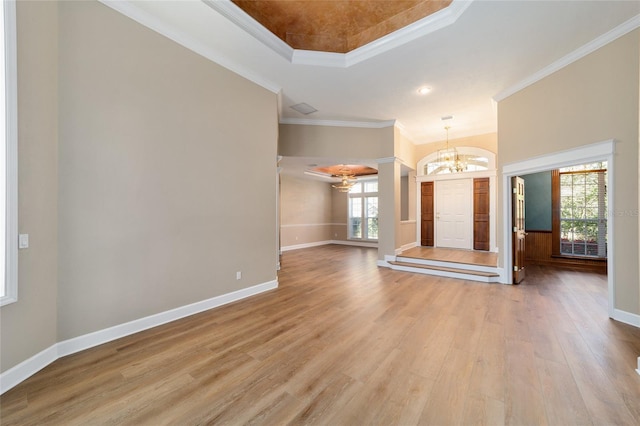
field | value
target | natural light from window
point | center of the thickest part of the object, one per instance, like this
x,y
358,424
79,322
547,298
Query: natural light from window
x,y
363,210
473,163
583,210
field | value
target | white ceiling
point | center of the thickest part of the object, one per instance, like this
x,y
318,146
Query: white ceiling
x,y
493,46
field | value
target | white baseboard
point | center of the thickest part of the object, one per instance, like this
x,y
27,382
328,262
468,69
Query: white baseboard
x,y
354,243
26,369
626,317
406,247
326,242
638,369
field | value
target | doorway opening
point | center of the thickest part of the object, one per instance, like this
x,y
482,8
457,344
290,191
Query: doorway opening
x,y
458,210
602,151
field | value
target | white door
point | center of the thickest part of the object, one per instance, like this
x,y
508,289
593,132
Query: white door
x,y
453,213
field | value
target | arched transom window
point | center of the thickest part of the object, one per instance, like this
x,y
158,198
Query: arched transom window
x,y
465,159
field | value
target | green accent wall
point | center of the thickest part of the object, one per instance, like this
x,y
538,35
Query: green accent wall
x,y
537,201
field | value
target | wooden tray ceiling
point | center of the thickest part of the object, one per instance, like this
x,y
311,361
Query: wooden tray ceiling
x,y
336,25
348,169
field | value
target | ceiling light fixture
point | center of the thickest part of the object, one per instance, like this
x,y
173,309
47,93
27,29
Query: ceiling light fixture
x,y
424,90
449,158
347,180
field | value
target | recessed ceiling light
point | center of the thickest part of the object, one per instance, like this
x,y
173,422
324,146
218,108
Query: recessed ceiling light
x,y
424,90
303,108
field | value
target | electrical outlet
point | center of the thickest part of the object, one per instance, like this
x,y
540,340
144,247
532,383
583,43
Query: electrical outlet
x,y
238,275
23,241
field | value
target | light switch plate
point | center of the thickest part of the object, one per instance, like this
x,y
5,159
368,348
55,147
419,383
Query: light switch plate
x,y
23,241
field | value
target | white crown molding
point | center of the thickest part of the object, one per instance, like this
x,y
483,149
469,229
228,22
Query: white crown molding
x,y
424,26
338,123
29,367
321,59
386,160
236,15
606,38
146,19
404,132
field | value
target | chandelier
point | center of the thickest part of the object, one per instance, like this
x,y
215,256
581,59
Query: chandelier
x,y
347,180
450,159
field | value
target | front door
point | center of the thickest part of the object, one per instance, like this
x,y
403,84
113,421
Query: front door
x,y
517,185
453,213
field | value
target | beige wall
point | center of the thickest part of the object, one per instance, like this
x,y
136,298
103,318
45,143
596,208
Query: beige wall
x,y
389,234
298,140
165,191
339,215
404,149
592,100
141,185
407,232
30,325
305,211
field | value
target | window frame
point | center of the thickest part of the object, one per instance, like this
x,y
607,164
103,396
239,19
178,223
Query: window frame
x,y
363,196
10,282
556,207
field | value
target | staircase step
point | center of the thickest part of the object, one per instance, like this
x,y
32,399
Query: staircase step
x,y
440,263
465,274
441,268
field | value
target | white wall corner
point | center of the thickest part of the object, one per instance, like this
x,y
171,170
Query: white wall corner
x,y
626,317
406,247
387,258
28,368
503,276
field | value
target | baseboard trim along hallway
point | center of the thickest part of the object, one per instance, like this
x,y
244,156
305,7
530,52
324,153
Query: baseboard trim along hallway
x,y
26,369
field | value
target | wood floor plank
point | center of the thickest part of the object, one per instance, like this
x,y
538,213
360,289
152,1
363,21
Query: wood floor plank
x,y
483,411
449,390
563,402
343,341
524,403
488,375
406,404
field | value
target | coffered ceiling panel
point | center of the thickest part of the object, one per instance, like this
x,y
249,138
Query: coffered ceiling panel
x,y
336,25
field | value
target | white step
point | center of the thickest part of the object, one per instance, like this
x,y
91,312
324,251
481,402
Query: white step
x,y
461,271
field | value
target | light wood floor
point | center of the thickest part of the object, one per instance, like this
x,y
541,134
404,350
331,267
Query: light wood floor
x,y
472,257
343,342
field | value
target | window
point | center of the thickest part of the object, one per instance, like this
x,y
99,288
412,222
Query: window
x,y
582,212
8,156
363,210
472,163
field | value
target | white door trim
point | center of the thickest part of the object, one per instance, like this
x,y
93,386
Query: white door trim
x,y
601,151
